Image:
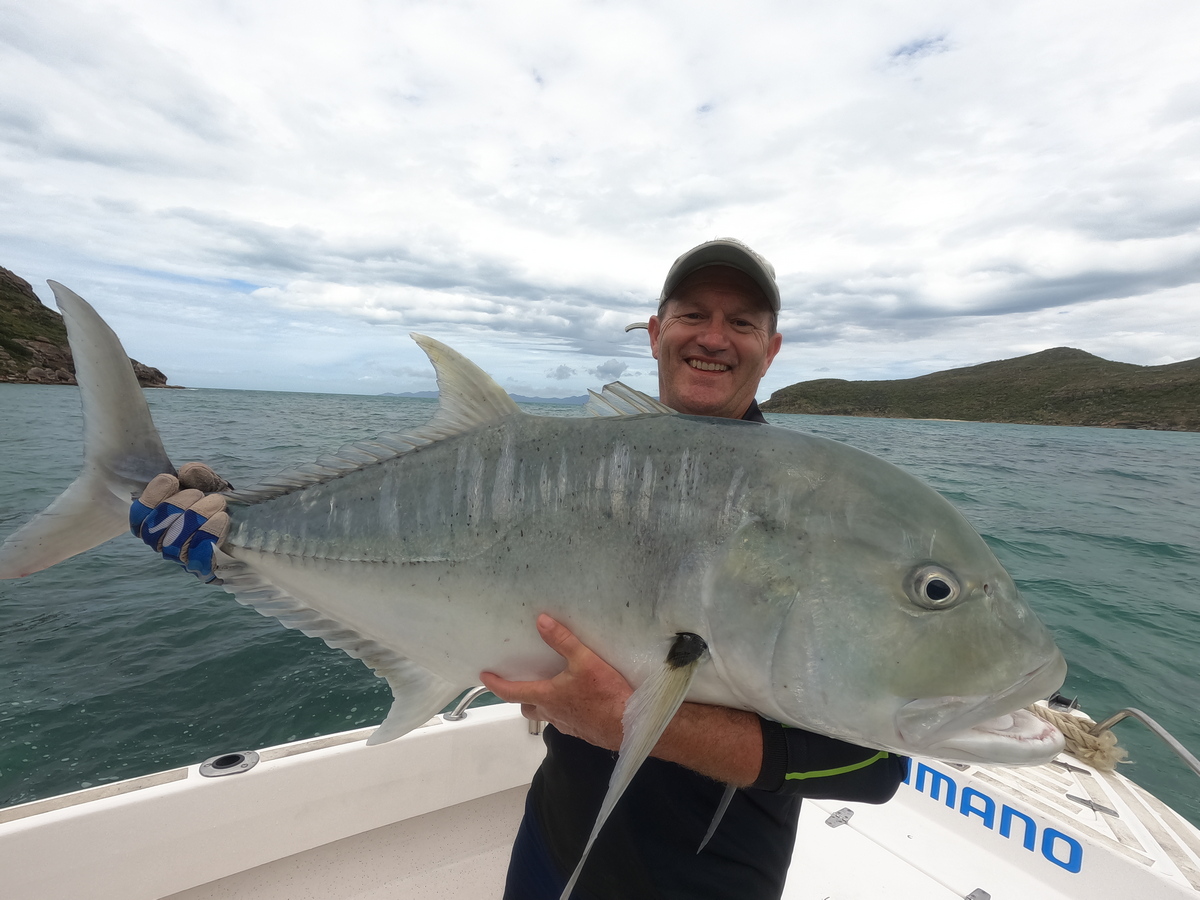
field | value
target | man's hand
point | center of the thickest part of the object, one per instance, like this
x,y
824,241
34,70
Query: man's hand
x,y
183,525
587,700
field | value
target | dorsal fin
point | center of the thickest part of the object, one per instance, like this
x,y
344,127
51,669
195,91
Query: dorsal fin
x,y
619,399
467,395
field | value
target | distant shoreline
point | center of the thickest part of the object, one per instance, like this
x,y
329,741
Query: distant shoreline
x,y
1062,386
982,422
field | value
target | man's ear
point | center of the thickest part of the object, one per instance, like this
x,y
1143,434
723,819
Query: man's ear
x,y
653,327
773,345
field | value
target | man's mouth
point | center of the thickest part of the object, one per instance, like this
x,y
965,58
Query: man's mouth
x,y
707,366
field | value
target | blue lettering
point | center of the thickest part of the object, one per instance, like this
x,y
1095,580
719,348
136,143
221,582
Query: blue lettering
x,y
935,786
1059,848
1007,813
1074,860
987,811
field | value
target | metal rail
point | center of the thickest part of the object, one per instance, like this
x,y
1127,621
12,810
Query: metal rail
x,y
460,708
1168,738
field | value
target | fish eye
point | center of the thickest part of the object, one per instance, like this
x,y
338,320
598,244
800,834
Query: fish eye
x,y
934,588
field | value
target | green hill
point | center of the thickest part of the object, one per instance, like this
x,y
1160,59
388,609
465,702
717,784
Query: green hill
x,y
33,340
1054,387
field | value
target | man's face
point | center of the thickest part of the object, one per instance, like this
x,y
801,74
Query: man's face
x,y
713,343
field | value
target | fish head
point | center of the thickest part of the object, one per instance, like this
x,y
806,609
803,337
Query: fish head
x,y
895,626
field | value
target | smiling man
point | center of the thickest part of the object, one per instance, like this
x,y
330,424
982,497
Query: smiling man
x,y
714,337
715,333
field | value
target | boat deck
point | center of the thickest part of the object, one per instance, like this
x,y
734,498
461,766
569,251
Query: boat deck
x,y
457,852
433,815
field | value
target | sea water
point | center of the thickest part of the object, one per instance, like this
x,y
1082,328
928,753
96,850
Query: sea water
x,y
115,663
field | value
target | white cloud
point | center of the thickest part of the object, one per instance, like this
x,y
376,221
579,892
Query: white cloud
x,y
610,370
291,187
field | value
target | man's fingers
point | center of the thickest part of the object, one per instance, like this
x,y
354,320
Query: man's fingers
x,y
209,505
559,638
217,526
159,489
155,493
184,525
508,691
513,692
202,478
186,499
197,552
209,532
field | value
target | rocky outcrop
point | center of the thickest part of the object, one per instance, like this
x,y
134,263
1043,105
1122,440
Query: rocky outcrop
x,y
33,340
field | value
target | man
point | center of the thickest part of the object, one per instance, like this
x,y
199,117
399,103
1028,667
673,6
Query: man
x,y
714,337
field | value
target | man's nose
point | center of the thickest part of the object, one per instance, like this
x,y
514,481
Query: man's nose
x,y
714,335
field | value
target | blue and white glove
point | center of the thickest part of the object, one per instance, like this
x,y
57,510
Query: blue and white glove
x,y
183,525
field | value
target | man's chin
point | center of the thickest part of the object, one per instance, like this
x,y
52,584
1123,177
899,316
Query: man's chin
x,y
708,400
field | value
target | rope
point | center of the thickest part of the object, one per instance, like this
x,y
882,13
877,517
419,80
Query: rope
x,y
1100,751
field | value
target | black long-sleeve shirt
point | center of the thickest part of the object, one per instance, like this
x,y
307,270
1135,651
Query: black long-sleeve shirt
x,y
647,848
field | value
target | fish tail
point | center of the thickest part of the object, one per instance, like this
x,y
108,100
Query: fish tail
x,y
122,450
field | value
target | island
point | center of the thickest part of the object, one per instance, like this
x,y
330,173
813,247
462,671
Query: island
x,y
1061,386
33,341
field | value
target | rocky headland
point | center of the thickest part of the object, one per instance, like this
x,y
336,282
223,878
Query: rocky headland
x,y
33,340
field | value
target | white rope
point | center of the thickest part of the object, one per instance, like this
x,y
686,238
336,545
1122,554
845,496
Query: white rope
x,y
1100,751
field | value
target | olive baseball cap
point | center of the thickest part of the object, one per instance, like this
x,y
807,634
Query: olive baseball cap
x,y
721,252
724,252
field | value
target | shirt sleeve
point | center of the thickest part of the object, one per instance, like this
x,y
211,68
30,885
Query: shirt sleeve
x,y
800,762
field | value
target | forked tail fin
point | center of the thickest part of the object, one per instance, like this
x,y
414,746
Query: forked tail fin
x,y
121,450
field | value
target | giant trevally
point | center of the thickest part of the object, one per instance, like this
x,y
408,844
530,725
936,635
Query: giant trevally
x,y
783,573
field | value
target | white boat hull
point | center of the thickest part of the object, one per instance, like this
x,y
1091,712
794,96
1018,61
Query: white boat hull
x,y
435,812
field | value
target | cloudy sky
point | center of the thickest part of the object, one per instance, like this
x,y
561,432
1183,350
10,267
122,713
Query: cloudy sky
x,y
273,194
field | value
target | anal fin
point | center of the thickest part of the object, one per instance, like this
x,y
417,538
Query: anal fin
x,y
647,713
417,692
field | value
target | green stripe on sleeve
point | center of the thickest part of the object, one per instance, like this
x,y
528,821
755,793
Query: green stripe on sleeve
x,y
827,773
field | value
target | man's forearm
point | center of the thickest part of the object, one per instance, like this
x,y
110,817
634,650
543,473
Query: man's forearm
x,y
587,699
724,744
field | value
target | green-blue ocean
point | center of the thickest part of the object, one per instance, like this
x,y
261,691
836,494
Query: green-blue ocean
x,y
116,663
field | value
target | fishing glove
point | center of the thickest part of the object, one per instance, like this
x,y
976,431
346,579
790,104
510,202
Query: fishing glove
x,y
183,525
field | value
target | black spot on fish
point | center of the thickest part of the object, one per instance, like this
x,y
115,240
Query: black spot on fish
x,y
686,650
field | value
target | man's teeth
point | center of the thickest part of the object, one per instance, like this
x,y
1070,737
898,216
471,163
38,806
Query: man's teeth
x,y
707,366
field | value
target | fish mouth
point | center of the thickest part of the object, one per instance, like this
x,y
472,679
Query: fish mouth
x,y
994,729
1018,738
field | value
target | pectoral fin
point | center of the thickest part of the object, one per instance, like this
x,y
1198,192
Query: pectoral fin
x,y
730,790
647,714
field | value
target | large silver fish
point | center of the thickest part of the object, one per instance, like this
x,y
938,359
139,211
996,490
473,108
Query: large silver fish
x,y
833,591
